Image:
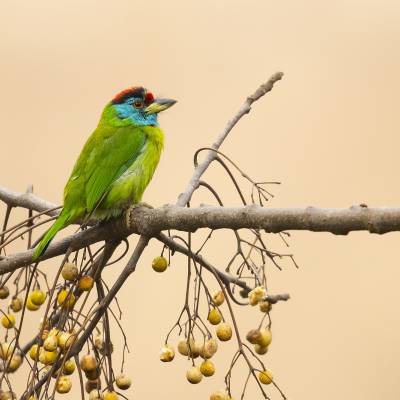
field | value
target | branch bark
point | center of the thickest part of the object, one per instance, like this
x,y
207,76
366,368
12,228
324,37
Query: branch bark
x,y
339,221
27,200
150,222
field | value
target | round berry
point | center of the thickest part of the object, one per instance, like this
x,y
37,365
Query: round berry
x,y
224,332
214,317
160,264
193,375
69,271
8,321
167,353
38,297
265,377
63,384
207,368
123,381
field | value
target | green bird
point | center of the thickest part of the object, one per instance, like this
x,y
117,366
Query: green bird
x,y
116,164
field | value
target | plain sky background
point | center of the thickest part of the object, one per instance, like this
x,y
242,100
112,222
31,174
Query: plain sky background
x,y
329,132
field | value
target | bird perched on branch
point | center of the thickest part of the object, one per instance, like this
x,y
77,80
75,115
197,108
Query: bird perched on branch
x,y
117,162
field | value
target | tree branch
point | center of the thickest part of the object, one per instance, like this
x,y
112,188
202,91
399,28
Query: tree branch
x,y
27,200
185,197
339,221
150,222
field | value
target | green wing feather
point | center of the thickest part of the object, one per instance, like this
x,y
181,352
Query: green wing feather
x,y
60,223
112,156
105,157
107,154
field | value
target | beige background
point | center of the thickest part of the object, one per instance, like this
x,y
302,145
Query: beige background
x,y
329,132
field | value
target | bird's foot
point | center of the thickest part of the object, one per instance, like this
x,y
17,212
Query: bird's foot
x,y
142,204
128,214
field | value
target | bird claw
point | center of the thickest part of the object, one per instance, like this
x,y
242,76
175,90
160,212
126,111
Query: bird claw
x,y
142,204
128,212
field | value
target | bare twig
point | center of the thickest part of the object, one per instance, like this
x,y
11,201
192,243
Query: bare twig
x,y
185,197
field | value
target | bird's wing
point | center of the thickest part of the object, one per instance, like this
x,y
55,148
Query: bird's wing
x,y
111,157
107,154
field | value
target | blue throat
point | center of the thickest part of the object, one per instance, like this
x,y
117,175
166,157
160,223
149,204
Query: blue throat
x,y
135,116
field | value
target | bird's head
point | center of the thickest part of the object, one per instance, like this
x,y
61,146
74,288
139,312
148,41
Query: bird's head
x,y
138,106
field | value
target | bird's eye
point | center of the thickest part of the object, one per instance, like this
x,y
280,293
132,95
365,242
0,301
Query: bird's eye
x,y
138,103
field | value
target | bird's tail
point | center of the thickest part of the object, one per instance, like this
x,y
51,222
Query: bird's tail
x,y
60,223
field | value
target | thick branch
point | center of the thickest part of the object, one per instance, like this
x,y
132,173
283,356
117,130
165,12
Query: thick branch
x,y
150,222
339,221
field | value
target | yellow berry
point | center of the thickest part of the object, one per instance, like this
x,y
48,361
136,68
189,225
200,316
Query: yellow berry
x,y
167,353
207,368
256,295
54,332
183,347
88,363
86,283
66,340
38,297
193,375
123,381
110,395
51,343
14,362
219,395
265,306
63,384
160,264
30,306
209,348
8,395
42,354
6,349
265,337
66,299
260,349
253,336
224,332
214,317
33,351
265,377
4,292
8,321
99,342
69,271
190,348
69,367
195,347
50,357
95,394
218,297
16,304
